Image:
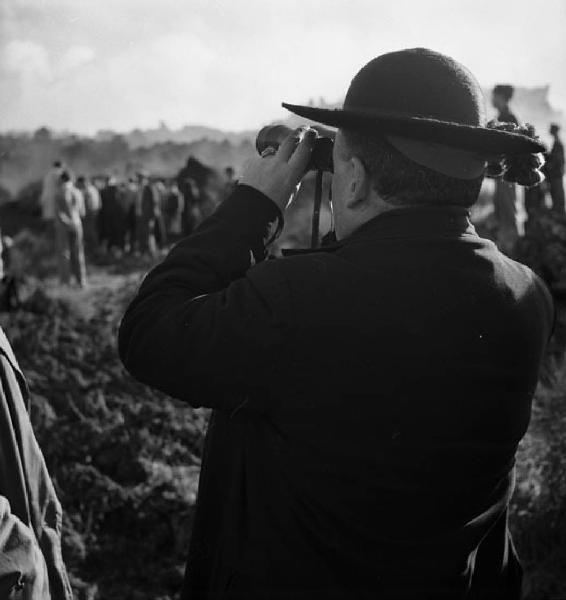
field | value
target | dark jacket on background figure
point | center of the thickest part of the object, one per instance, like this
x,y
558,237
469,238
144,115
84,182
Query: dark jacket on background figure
x,y
113,216
554,171
368,402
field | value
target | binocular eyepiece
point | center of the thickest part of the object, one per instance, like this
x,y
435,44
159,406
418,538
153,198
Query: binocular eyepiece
x,y
321,158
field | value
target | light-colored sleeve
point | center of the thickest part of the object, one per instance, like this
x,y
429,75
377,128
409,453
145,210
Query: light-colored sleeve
x,y
25,482
23,572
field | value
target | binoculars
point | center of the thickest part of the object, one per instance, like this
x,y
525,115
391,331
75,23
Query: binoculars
x,y
321,157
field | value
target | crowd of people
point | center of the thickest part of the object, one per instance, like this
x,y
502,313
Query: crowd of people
x,y
142,214
90,217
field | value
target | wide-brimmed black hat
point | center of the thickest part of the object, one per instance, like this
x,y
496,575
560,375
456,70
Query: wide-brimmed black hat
x,y
420,94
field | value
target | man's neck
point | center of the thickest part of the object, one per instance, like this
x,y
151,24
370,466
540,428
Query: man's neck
x,y
357,218
379,208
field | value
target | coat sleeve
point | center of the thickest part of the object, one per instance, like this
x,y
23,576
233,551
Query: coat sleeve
x,y
23,572
32,511
206,325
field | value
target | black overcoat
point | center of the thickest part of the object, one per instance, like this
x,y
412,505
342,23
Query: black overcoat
x,y
368,400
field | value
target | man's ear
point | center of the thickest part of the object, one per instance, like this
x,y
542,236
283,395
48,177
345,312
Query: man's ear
x,y
359,180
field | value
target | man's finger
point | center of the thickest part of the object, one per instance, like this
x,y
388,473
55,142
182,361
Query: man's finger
x,y
289,144
300,159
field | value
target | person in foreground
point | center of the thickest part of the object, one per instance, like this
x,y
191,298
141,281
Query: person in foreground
x,y
368,396
31,563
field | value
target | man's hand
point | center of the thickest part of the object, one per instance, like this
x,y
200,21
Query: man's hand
x,y
277,174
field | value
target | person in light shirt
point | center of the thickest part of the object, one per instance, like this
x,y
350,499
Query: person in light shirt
x,y
69,212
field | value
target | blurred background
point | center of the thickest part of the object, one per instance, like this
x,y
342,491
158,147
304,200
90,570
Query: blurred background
x,y
157,104
139,76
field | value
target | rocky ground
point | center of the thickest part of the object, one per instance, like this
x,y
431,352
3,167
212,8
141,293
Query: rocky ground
x,y
126,459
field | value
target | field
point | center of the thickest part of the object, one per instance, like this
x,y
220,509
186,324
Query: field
x,y
126,459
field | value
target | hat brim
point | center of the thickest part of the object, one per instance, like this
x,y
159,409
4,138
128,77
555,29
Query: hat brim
x,y
467,137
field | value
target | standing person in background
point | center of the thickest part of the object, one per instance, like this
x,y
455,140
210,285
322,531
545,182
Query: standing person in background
x,y
173,211
231,181
501,96
49,189
160,229
191,195
534,206
104,213
554,171
189,181
505,198
149,208
31,564
114,216
141,180
69,211
92,208
130,198
185,179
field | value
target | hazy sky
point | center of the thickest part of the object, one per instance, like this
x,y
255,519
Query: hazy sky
x,y
83,65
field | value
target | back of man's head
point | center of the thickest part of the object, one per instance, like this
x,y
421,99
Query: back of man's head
x,y
416,121
399,181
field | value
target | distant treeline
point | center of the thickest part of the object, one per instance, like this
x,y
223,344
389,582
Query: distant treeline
x,y
24,159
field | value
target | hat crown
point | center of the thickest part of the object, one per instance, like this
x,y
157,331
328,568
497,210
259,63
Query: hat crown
x,y
418,83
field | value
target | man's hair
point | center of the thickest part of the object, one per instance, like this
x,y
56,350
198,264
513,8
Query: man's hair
x,y
504,90
401,182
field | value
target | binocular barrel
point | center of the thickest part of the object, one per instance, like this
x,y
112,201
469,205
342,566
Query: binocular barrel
x,y
321,158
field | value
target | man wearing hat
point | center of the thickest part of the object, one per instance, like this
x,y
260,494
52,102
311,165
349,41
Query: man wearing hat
x,y
368,396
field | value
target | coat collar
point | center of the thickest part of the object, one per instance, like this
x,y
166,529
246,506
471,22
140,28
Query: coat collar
x,y
409,222
412,222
